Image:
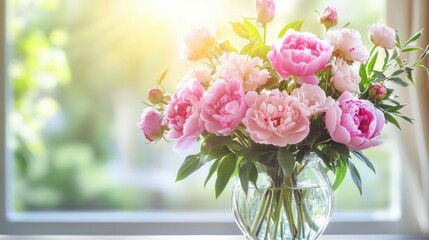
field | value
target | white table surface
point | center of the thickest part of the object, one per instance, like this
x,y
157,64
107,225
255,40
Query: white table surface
x,y
202,237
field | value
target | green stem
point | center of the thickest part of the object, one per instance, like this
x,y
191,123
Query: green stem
x,y
265,32
277,213
289,213
262,208
267,223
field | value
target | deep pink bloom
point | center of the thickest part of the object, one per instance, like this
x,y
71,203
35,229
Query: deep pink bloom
x,y
354,122
301,55
329,17
223,107
275,118
265,10
151,124
183,115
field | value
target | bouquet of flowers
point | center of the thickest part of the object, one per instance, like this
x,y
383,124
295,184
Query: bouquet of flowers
x,y
264,107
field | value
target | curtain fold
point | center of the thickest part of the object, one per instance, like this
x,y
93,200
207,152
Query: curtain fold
x,y
408,17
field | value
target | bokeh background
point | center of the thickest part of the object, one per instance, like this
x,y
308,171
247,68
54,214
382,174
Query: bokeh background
x,y
79,72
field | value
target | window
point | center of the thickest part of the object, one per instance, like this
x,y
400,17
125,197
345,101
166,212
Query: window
x,y
76,75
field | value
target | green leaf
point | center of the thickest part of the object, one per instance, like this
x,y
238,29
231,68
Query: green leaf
x,y
227,47
355,176
244,173
398,41
162,77
397,72
286,161
372,63
234,146
411,48
240,30
391,119
364,159
260,51
191,164
253,174
246,49
362,74
398,81
213,169
410,120
253,31
409,73
340,173
296,25
425,52
325,159
224,172
413,39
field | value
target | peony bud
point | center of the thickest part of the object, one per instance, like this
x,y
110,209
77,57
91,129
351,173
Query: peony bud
x,y
377,92
155,96
151,124
265,10
329,17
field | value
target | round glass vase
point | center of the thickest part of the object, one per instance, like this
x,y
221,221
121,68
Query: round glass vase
x,y
295,208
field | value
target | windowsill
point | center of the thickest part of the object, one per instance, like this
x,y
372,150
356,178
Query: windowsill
x,y
204,237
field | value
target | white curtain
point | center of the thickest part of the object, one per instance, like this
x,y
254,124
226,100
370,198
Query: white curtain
x,y
408,17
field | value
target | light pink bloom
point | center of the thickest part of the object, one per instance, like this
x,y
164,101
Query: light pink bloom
x,y
313,99
196,43
183,115
265,10
382,35
329,17
301,55
248,70
275,118
354,122
347,44
151,124
345,77
203,75
223,107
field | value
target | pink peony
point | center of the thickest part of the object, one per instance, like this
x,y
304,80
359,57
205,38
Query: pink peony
x,y
329,17
183,115
313,99
382,35
345,77
248,70
299,54
151,124
276,119
354,122
198,42
347,44
265,10
203,75
223,107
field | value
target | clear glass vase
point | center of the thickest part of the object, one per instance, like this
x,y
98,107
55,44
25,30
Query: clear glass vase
x,y
296,208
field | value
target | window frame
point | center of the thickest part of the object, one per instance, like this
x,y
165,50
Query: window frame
x,y
125,223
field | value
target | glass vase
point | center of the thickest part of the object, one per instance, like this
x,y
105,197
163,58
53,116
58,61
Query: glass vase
x,y
298,207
